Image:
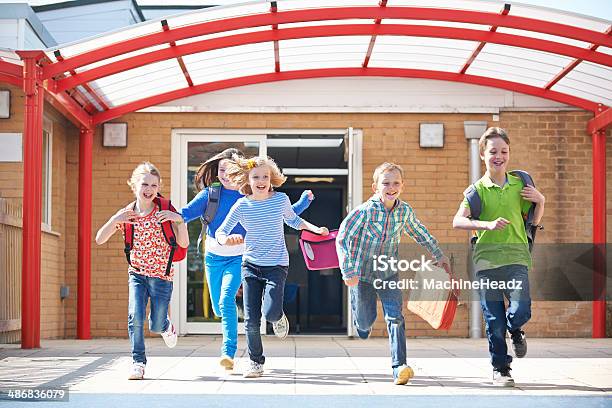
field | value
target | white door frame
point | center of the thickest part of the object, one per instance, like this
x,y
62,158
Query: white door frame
x,y
178,194
355,193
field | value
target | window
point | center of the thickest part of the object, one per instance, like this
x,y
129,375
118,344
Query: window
x,y
46,171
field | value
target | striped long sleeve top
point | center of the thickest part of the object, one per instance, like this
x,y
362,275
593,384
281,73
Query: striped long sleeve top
x,y
263,221
371,229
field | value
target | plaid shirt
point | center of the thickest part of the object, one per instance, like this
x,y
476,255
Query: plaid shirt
x,y
371,229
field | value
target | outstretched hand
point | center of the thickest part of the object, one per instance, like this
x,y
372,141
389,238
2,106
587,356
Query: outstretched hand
x,y
125,216
167,215
310,194
234,239
352,281
498,224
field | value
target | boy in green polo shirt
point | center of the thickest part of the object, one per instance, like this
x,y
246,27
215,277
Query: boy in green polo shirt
x,y
501,252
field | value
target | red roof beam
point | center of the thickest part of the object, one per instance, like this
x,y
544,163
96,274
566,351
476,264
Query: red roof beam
x,y
331,31
274,9
342,72
601,121
572,64
181,63
414,13
366,61
69,108
480,46
90,91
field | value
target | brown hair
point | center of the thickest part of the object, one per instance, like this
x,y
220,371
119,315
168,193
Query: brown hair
x,y
208,171
238,172
492,133
143,169
385,167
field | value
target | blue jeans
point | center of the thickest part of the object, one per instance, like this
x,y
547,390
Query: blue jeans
x,y
141,288
223,277
263,291
497,318
363,301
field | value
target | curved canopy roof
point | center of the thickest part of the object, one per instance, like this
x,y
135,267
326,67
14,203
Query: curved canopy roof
x,y
543,52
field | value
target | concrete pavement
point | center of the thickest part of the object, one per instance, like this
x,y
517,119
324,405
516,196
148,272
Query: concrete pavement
x,y
313,371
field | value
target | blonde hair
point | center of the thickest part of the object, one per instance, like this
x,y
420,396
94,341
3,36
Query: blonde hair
x,y
492,133
141,170
237,171
385,167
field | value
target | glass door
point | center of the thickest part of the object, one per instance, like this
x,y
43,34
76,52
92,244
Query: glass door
x,y
193,300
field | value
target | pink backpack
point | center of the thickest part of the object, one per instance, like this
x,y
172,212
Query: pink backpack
x,y
319,251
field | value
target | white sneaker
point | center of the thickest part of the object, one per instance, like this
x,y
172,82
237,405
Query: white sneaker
x,y
281,328
227,362
253,370
136,371
502,378
170,337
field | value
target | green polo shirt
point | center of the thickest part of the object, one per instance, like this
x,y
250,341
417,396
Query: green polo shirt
x,y
507,246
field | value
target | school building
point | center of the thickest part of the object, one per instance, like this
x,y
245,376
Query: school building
x,y
328,91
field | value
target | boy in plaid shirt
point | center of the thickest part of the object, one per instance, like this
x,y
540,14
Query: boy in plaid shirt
x,y
373,229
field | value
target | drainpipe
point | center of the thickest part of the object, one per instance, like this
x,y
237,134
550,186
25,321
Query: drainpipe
x,y
473,130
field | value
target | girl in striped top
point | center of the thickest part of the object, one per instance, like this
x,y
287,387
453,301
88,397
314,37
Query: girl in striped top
x,y
265,261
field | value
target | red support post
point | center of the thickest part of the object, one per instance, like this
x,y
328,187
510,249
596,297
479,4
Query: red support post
x,y
84,244
599,234
32,199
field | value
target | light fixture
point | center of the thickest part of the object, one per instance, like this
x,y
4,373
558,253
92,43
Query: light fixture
x,y
431,135
115,134
12,147
474,128
5,104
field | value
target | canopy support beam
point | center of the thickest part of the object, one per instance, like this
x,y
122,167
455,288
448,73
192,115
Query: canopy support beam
x,y
599,233
32,198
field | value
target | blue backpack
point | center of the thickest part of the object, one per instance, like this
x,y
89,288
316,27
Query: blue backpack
x,y
475,203
214,194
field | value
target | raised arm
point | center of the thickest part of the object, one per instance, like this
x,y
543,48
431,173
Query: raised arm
x,y
304,202
196,207
123,216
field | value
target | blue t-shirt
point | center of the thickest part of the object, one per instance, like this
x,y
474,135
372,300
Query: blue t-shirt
x,y
263,221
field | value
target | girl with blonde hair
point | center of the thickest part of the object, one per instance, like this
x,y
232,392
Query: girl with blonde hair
x,y
223,262
149,276
265,262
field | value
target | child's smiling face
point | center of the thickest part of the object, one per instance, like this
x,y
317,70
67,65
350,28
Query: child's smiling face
x,y
496,155
146,188
259,180
389,187
221,174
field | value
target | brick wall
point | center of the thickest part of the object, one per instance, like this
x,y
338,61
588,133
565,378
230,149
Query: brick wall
x,y
554,147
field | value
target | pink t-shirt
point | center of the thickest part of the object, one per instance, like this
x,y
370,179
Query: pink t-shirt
x,y
150,251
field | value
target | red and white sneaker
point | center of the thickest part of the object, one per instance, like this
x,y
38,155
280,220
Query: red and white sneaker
x,y
170,337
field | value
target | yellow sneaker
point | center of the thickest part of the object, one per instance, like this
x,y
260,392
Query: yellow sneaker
x,y
402,374
227,362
